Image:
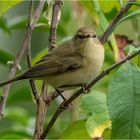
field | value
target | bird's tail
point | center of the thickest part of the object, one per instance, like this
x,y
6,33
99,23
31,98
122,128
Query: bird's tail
x,y
19,77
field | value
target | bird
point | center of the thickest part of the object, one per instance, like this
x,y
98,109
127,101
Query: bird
x,y
75,63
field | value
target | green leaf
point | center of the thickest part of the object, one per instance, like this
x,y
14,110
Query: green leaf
x,y
76,130
121,2
5,56
6,5
20,22
104,24
14,135
95,103
48,12
130,49
40,55
17,114
124,102
4,25
137,3
136,12
107,7
88,6
107,134
96,124
1,92
17,22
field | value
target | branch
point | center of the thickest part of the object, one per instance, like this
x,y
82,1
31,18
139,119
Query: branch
x,y
29,58
52,38
41,112
44,101
111,27
64,105
54,23
20,53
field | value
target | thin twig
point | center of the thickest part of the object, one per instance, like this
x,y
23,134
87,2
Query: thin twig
x,y
41,112
20,53
52,97
64,105
54,23
43,101
37,13
29,58
111,27
52,38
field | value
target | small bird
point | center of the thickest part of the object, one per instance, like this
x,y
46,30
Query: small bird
x,y
75,63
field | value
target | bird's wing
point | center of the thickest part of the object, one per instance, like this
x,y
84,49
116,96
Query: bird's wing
x,y
54,65
66,49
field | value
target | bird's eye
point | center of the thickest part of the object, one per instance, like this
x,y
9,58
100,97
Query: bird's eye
x,y
94,36
80,36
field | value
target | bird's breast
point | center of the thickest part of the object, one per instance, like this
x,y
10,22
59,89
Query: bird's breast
x,y
90,68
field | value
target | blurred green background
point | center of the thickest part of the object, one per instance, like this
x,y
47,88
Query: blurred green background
x,y
20,111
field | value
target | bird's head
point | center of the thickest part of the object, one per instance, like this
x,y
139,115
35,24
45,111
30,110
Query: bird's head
x,y
86,39
84,34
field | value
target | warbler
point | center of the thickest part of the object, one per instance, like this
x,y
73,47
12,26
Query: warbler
x,y
75,63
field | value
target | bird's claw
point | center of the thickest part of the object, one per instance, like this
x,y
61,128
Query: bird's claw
x,y
85,89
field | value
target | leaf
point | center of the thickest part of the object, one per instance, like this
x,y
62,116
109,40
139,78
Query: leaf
x,y
14,135
76,130
130,49
4,25
5,56
121,2
136,12
17,114
20,22
137,3
17,22
108,7
39,56
6,5
95,103
107,134
88,6
96,124
1,92
104,24
114,46
124,102
48,12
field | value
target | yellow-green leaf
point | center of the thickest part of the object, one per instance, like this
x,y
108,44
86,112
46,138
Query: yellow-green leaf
x,y
5,5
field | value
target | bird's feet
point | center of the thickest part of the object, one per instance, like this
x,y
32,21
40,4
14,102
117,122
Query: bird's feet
x,y
63,106
85,89
60,93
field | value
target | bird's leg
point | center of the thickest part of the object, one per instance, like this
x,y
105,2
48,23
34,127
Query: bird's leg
x,y
60,93
63,107
85,88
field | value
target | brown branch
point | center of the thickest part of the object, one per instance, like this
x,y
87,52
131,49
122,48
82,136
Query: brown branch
x,y
41,112
111,27
54,23
29,58
52,97
64,105
52,38
20,53
44,101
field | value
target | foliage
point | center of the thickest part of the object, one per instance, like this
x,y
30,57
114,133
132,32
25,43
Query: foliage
x,y
5,6
98,120
123,102
111,118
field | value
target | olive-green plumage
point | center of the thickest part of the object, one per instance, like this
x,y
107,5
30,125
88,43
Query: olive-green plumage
x,y
75,62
